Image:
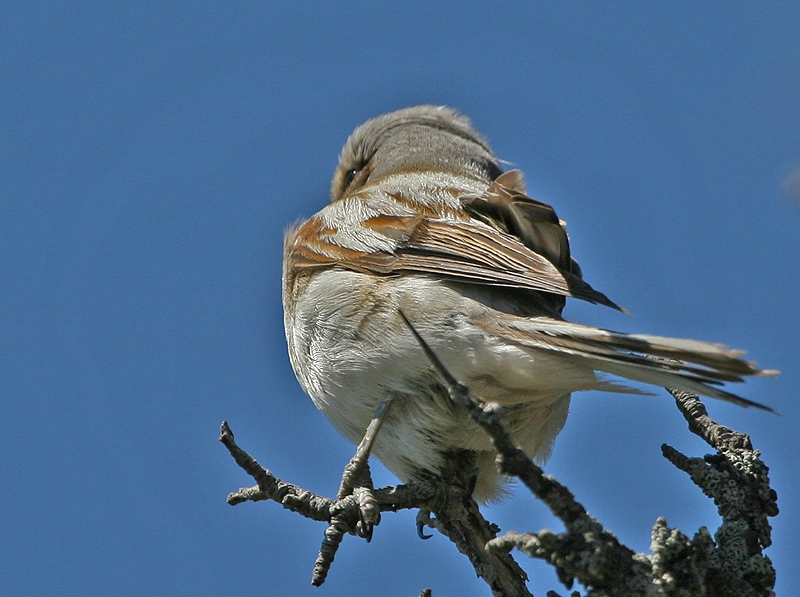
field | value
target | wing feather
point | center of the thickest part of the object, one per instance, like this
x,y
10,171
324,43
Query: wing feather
x,y
460,248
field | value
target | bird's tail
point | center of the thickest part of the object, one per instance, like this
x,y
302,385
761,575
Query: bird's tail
x,y
689,365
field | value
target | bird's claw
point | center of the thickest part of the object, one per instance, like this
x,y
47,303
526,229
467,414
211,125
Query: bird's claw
x,y
424,519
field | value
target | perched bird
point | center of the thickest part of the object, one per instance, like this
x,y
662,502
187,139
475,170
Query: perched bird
x,y
423,219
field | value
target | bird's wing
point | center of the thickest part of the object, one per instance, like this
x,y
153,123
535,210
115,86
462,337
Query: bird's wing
x,y
503,238
506,206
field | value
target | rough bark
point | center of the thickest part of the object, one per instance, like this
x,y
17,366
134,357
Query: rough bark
x,y
729,564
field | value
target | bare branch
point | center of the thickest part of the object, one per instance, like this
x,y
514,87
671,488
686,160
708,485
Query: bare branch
x,y
738,482
735,478
730,563
456,515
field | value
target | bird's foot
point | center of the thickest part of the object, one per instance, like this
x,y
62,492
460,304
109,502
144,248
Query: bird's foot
x,y
357,482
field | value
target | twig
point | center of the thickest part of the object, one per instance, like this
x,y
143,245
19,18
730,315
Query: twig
x,y
729,564
343,516
456,516
587,551
738,482
735,478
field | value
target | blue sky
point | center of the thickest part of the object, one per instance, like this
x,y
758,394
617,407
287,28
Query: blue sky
x,y
151,156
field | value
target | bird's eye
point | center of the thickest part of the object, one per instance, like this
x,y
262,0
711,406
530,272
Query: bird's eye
x,y
349,176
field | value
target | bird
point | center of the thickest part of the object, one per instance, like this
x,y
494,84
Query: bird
x,y
423,223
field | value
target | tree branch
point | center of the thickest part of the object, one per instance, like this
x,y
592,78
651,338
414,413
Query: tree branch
x,y
729,564
456,515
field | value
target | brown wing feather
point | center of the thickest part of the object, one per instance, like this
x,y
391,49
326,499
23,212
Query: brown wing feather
x,y
536,224
465,250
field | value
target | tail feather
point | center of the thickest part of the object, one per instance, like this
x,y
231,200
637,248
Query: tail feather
x,y
688,365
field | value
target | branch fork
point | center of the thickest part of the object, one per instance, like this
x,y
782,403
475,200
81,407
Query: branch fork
x,y
731,563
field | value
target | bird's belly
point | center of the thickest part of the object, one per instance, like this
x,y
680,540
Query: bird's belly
x,y
350,349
